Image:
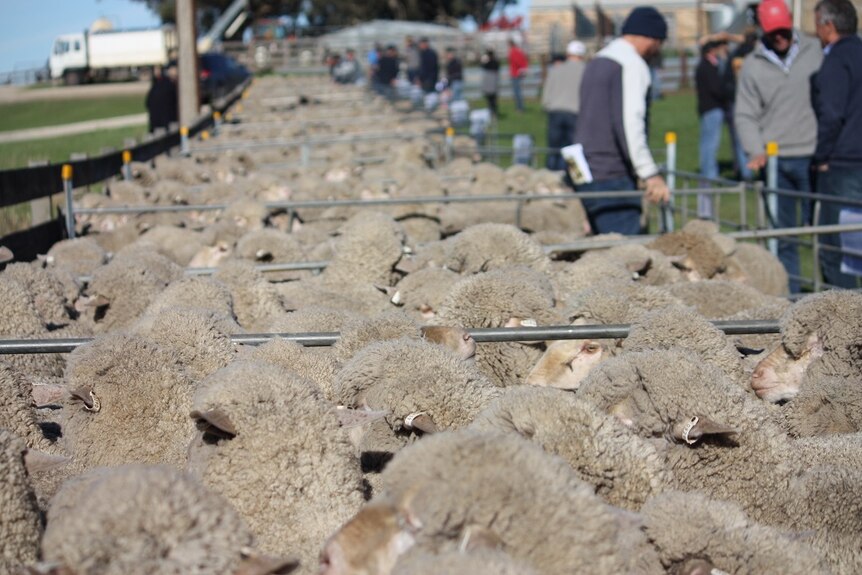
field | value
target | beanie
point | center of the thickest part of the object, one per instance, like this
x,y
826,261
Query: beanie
x,y
645,21
773,15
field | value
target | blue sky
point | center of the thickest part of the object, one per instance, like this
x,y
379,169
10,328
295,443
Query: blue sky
x,y
28,27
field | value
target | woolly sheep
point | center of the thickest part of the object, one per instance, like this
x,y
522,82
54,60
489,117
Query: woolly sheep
x,y
200,292
120,291
829,406
681,328
16,412
177,244
720,299
486,247
421,293
149,519
542,514
271,445
317,367
819,338
700,256
272,246
129,403
592,270
46,290
505,297
256,302
21,320
79,256
761,269
21,527
483,562
367,250
625,470
690,527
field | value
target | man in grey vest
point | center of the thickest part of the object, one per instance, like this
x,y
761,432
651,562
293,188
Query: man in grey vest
x,y
561,101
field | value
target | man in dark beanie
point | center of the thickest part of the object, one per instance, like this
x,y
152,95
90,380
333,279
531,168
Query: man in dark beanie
x,y
612,124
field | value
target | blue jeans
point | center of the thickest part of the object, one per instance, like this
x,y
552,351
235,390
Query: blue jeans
x,y
739,157
841,182
710,138
606,215
516,93
793,174
561,133
457,88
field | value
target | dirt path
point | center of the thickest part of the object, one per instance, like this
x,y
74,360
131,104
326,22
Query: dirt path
x,y
10,94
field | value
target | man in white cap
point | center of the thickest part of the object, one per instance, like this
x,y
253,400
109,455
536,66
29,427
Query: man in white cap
x,y
561,100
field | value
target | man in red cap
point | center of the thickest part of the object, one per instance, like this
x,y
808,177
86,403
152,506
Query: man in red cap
x,y
773,104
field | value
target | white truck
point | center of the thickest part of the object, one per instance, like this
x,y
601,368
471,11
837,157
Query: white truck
x,y
100,55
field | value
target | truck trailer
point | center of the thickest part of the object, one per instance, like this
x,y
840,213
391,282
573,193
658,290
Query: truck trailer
x,y
103,55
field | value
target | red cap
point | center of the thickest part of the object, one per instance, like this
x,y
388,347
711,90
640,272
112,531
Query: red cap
x,y
774,15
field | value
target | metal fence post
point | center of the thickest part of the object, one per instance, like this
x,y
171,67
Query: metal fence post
x,y
772,184
667,209
66,173
216,122
127,165
450,140
184,141
815,247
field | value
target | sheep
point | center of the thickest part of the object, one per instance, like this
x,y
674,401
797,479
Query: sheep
x,y
486,247
21,527
272,246
120,291
439,488
511,296
17,413
129,399
701,257
591,270
79,256
681,328
48,292
271,445
421,293
819,338
689,527
723,442
625,470
720,299
201,292
256,302
177,244
149,519
358,333
313,318
21,320
482,562
831,405
761,268
318,368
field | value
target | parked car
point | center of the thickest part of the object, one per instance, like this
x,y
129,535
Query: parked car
x,y
219,74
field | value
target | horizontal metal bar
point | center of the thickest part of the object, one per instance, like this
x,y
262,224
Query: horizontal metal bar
x,y
280,142
264,268
481,335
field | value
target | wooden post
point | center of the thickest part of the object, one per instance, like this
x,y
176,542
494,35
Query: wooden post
x,y
188,62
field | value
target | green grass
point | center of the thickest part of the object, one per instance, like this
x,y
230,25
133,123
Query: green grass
x,y
19,154
24,115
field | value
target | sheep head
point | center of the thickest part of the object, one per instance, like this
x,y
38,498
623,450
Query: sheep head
x,y
566,363
214,424
456,339
6,255
779,375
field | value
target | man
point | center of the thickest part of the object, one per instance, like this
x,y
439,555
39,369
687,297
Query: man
x,y
518,66
838,106
454,74
560,99
429,67
712,101
387,72
411,59
348,70
612,124
773,104
161,100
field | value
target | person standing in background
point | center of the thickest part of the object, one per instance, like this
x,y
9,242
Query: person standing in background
x,y
561,101
454,74
518,66
773,104
162,99
838,106
387,72
490,80
411,59
429,67
612,124
711,105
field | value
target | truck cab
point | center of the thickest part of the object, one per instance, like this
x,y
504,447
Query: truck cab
x,y
69,58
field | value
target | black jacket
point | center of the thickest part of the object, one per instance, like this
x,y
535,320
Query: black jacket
x,y
429,69
837,98
711,86
387,69
162,104
454,70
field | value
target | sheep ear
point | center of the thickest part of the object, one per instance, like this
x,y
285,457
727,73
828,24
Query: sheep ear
x,y
814,346
6,254
48,569
40,462
698,427
349,418
696,567
215,418
421,421
746,351
263,255
477,538
406,265
47,394
255,564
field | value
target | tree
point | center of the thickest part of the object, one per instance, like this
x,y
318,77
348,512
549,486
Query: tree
x,y
345,12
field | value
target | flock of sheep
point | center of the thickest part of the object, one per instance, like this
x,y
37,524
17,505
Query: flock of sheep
x,y
160,446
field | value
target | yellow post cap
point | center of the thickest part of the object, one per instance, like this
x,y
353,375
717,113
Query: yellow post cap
x,y
127,156
217,115
239,107
772,149
66,172
244,94
184,131
670,138
205,135
228,116
450,131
